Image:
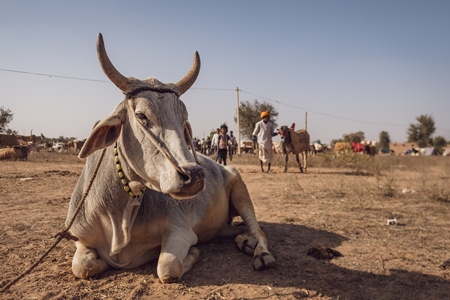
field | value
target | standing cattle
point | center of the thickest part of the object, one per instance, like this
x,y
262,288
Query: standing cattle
x,y
296,142
342,147
74,145
152,197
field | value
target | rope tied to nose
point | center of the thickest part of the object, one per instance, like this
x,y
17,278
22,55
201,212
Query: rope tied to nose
x,y
64,233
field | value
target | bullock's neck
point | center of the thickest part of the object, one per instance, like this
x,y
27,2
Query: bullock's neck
x,y
287,138
134,181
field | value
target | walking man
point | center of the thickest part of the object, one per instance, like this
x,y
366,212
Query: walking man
x,y
264,130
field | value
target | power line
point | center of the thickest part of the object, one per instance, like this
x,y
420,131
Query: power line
x,y
323,114
211,89
222,89
56,76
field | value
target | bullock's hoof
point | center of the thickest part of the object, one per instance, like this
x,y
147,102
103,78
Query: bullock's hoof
x,y
263,261
285,170
194,252
246,244
170,280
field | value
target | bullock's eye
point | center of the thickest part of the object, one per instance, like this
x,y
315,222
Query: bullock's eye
x,y
142,118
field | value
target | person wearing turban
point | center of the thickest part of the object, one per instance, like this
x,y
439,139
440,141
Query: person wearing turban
x,y
262,135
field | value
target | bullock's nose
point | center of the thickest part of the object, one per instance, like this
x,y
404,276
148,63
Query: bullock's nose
x,y
193,179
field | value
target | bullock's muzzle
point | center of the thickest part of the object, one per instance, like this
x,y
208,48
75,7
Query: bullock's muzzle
x,y
183,184
193,182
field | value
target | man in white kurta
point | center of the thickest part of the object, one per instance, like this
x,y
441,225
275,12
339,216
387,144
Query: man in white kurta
x,y
264,130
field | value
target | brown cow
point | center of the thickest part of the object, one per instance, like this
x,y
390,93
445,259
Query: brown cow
x,y
296,142
342,147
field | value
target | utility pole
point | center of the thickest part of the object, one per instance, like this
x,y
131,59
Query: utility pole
x,y
306,121
237,121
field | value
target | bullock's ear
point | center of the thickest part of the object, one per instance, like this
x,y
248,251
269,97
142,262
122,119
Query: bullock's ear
x,y
105,133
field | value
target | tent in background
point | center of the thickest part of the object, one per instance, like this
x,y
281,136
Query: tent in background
x,y
428,151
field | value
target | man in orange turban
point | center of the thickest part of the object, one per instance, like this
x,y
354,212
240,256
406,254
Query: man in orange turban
x,y
265,114
264,130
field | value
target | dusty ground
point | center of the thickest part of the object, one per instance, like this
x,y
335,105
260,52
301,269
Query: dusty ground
x,y
340,208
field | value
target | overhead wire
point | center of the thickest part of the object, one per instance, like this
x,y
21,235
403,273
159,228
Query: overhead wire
x,y
320,113
224,89
56,76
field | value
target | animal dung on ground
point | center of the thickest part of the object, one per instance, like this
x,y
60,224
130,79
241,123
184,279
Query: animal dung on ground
x,y
445,265
323,253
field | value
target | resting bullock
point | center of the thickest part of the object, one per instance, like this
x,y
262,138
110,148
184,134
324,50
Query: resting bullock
x,y
14,153
152,198
296,142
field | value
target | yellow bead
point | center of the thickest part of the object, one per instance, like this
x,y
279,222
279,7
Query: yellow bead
x,y
119,168
124,181
121,174
116,158
126,188
131,194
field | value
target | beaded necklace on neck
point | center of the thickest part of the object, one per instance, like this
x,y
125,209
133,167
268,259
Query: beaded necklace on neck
x,y
124,181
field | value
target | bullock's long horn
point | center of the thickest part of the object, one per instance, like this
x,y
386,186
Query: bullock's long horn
x,y
118,79
188,80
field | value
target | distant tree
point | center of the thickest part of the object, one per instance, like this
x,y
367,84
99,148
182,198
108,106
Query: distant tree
x,y
385,140
249,115
6,116
439,143
357,137
422,131
11,131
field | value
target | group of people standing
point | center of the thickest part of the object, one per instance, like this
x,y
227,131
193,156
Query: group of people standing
x,y
261,136
223,144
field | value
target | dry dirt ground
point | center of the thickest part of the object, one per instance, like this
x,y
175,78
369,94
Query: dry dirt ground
x,y
338,208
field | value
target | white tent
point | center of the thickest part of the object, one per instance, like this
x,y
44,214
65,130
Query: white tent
x,y
427,151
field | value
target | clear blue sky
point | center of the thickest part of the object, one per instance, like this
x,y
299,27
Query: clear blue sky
x,y
353,65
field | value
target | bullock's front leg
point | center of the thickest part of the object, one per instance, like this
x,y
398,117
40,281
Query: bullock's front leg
x,y
298,161
286,163
304,160
177,256
86,263
255,242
